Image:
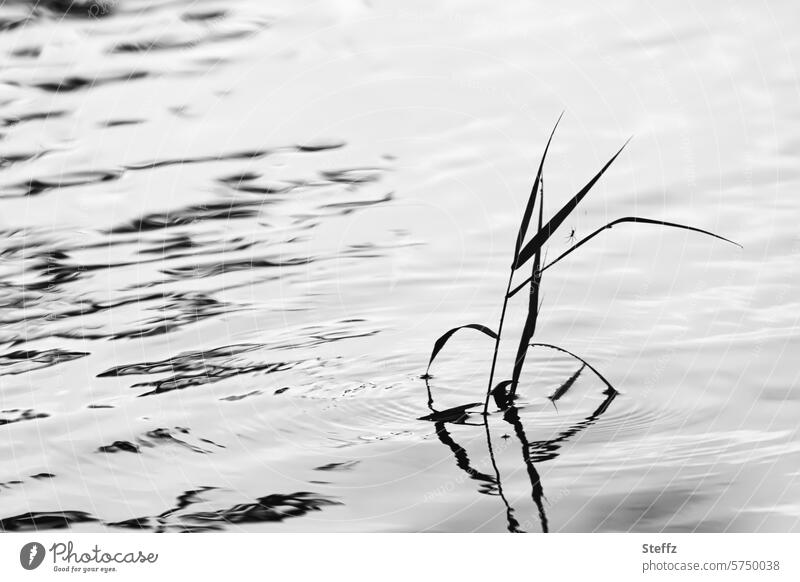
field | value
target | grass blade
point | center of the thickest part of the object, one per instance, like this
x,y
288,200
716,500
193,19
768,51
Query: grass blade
x,y
533,310
544,233
526,218
437,347
584,362
520,286
523,229
564,388
610,225
637,220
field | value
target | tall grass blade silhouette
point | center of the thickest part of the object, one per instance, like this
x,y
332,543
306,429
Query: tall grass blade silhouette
x,y
533,248
526,217
523,230
544,233
533,308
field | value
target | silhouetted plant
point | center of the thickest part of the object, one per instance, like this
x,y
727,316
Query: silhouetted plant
x,y
532,252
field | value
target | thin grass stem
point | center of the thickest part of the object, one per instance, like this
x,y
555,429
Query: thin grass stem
x,y
497,345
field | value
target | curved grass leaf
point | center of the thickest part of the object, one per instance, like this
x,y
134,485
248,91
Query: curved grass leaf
x,y
583,241
544,233
526,218
437,347
610,225
584,362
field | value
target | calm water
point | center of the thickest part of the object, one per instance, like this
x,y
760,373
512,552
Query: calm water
x,y
231,233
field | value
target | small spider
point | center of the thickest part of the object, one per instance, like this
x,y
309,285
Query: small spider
x,y
571,236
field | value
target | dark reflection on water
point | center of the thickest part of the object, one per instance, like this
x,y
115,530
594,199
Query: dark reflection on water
x,y
178,435
270,508
546,450
44,520
196,369
12,415
532,452
21,361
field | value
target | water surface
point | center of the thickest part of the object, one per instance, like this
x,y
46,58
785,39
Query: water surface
x,y
231,232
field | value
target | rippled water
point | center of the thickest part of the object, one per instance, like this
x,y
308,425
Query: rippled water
x,y
233,230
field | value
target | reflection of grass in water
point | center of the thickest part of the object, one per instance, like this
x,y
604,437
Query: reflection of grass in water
x,y
532,252
504,392
532,452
